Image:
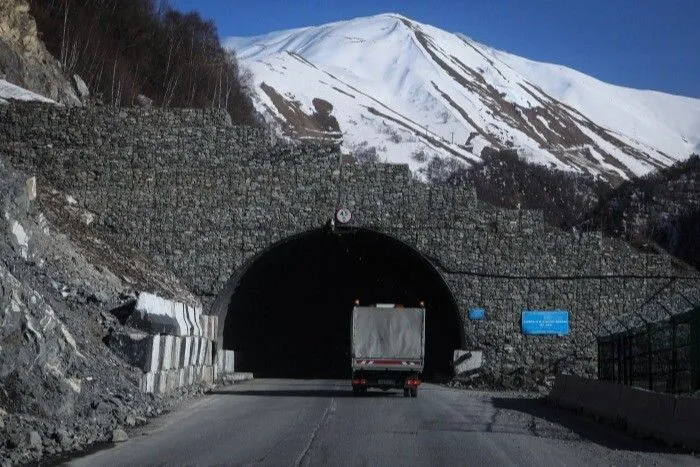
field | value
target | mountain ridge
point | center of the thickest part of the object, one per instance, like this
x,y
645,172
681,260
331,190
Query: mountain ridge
x,y
402,87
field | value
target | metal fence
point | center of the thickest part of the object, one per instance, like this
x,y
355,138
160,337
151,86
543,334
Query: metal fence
x,y
661,355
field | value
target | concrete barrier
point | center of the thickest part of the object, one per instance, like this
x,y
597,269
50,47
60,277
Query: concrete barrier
x,y
558,388
154,315
237,377
572,396
667,417
173,343
209,325
647,413
686,427
466,362
137,348
225,361
603,399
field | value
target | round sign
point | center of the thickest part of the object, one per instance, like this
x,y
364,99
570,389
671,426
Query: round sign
x,y
343,215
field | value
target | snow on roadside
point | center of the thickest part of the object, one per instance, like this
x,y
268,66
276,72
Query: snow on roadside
x,y
9,91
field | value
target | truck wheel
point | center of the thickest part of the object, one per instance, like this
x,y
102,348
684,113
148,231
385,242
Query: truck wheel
x,y
355,391
414,392
406,392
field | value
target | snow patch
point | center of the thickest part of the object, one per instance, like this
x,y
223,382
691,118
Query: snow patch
x,y
435,89
9,91
21,238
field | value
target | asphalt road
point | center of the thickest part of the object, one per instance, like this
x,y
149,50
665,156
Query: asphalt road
x,y
318,422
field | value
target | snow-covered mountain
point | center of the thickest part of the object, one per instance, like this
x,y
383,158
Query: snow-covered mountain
x,y
411,90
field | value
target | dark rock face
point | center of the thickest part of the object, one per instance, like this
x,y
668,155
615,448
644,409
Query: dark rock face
x,y
204,198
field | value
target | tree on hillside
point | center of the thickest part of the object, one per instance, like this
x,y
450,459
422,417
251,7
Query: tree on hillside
x,y
124,48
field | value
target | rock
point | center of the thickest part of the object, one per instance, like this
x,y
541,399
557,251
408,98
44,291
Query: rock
x,y
34,440
130,420
87,218
80,87
144,101
63,438
119,436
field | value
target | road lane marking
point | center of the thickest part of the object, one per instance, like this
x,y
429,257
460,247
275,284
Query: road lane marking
x,y
329,410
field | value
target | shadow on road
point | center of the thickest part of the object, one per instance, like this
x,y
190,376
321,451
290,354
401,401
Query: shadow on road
x,y
304,393
586,427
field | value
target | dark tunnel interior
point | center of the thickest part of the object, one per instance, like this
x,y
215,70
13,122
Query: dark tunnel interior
x,y
289,315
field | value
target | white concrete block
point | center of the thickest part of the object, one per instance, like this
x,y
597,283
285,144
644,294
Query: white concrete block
x,y
155,354
467,361
194,350
162,382
147,382
202,351
208,375
177,346
204,323
208,353
179,315
186,353
167,352
225,361
193,317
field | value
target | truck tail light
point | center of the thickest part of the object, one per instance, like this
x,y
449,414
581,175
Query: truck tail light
x,y
359,382
412,382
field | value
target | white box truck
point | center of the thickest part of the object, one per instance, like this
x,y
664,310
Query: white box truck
x,y
388,348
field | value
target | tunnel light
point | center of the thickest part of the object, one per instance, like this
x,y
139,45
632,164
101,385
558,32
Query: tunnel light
x,y
357,301
422,304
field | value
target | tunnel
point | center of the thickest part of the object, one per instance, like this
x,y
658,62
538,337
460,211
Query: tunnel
x,y
289,311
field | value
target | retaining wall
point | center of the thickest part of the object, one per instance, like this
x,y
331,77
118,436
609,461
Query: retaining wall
x,y
203,198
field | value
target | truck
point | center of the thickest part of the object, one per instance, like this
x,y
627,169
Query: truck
x,y
387,348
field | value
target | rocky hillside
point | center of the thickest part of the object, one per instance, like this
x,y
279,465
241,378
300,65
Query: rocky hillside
x,y
661,210
61,388
24,60
505,180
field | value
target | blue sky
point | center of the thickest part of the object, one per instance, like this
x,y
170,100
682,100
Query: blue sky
x,y
647,44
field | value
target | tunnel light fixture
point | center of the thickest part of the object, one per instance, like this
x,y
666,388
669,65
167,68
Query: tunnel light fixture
x,y
422,304
357,302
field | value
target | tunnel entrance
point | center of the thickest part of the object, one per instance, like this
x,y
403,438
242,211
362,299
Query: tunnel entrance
x,y
289,312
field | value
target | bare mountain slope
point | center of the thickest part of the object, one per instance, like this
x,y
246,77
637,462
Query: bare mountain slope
x,y
404,88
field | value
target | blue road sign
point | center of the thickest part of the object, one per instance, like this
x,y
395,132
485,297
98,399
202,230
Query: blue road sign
x,y
545,322
477,314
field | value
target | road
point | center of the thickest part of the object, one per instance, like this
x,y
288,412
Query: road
x,y
318,422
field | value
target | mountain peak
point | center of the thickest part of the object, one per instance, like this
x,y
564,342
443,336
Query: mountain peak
x,y
406,92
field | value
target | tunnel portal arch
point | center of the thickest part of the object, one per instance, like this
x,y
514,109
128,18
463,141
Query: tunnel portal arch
x,y
286,312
